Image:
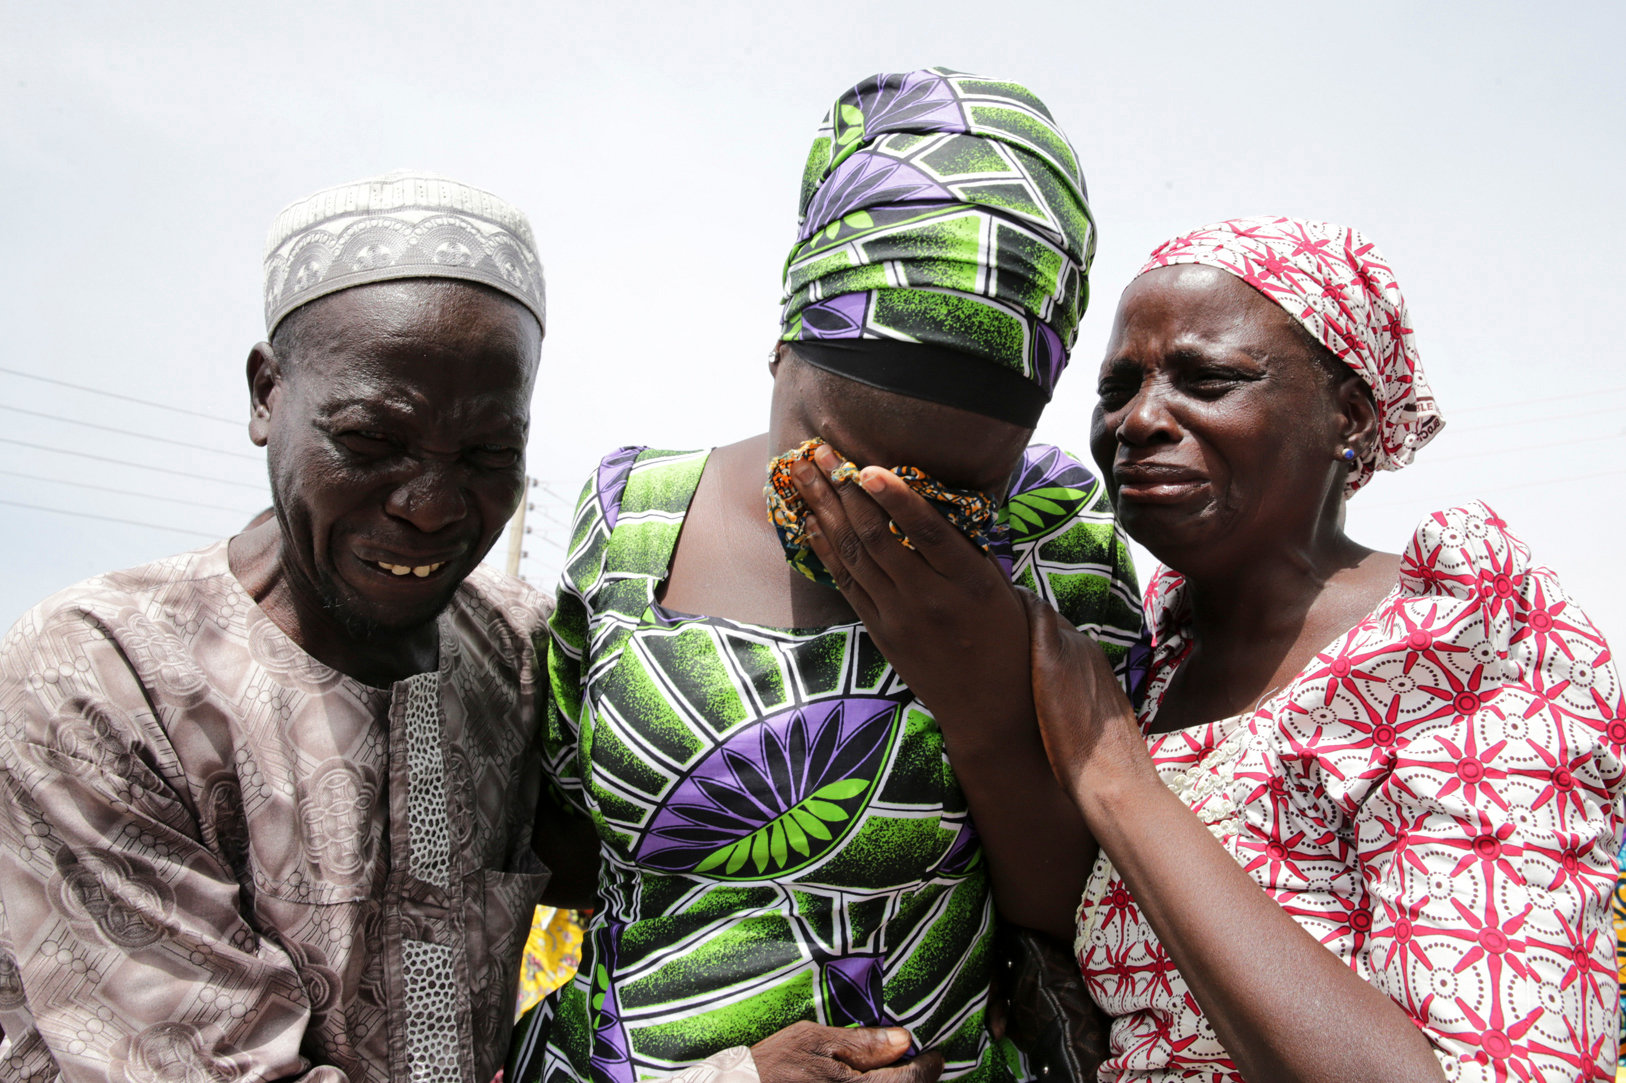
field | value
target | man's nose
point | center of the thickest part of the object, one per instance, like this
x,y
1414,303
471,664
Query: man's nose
x,y
431,500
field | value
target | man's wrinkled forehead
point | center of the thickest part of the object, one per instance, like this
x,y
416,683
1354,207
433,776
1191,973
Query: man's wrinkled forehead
x,y
418,348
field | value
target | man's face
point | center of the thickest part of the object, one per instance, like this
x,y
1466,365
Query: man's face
x,y
396,442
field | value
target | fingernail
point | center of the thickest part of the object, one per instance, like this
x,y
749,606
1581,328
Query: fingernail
x,y
803,473
871,479
810,525
827,459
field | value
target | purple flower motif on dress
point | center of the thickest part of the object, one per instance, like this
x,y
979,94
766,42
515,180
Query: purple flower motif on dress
x,y
839,317
868,179
1047,491
611,1061
853,996
1045,466
776,795
612,481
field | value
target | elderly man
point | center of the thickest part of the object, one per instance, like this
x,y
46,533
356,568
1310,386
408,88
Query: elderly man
x,y
266,807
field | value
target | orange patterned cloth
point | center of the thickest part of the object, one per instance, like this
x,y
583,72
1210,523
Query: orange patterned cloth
x,y
971,512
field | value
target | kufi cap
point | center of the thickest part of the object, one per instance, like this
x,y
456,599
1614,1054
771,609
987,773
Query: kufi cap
x,y
404,224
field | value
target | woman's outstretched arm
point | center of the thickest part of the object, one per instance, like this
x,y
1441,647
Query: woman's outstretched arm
x,y
1283,1006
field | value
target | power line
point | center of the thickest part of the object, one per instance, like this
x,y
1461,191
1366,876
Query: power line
x,y
124,492
106,518
547,513
129,432
116,395
122,462
566,502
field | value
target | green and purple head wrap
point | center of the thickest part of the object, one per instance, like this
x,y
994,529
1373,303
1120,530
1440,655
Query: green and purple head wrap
x,y
948,211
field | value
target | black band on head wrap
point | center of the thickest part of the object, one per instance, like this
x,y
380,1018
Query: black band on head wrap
x,y
933,373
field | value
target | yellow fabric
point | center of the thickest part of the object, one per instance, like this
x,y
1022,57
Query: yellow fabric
x,y
1620,964
552,953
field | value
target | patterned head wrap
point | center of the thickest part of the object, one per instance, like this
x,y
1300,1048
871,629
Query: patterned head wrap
x,y
399,225
1336,283
946,209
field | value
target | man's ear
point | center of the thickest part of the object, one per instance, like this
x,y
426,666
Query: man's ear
x,y
264,391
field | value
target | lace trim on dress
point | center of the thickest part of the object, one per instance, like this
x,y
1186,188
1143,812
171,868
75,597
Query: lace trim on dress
x,y
1207,786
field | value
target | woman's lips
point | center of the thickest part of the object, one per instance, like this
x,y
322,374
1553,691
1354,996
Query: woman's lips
x,y
1152,484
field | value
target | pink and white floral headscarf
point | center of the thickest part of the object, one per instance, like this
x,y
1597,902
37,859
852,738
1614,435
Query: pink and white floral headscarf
x,y
1337,284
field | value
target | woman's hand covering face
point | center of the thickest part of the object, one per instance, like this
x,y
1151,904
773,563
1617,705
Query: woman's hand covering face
x,y
973,513
942,612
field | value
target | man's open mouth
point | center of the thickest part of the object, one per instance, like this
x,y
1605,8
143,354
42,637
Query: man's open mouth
x,y
422,571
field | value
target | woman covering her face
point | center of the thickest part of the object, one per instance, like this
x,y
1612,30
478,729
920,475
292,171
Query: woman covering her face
x,y
786,852
1364,824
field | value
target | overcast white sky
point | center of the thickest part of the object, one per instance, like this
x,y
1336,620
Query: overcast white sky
x,y
657,148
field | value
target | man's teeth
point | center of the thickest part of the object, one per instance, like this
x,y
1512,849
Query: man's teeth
x,y
421,570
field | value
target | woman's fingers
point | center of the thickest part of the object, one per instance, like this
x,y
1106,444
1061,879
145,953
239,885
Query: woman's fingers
x,y
1050,675
936,539
806,1052
836,540
1057,699
876,506
922,1069
1043,634
870,524
854,526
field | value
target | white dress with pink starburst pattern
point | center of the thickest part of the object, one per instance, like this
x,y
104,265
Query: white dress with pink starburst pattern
x,y
1437,798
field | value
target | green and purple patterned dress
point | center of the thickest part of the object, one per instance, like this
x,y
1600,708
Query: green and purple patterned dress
x,y
783,838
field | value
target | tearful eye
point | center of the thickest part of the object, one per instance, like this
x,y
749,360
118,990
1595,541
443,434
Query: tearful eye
x,y
366,442
496,456
1115,395
1211,383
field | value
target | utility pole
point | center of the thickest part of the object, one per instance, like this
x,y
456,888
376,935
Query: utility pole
x,y
516,529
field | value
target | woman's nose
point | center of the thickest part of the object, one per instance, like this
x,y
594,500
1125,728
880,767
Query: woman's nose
x,y
1146,419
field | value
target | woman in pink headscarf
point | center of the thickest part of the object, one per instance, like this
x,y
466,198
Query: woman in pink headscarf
x,y
1364,822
